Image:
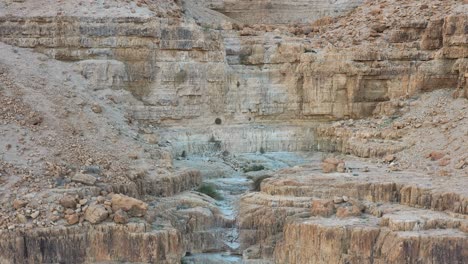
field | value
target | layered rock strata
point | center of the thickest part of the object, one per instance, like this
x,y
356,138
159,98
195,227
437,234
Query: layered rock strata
x,y
302,216
90,244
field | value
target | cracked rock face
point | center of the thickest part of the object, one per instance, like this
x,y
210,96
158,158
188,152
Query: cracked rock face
x,y
131,131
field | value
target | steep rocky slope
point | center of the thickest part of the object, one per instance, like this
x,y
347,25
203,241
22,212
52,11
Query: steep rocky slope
x,y
100,99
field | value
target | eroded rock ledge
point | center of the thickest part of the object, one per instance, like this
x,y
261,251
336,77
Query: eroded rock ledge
x,y
133,242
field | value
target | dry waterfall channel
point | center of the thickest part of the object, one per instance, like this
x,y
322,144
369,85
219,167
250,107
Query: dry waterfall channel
x,y
230,177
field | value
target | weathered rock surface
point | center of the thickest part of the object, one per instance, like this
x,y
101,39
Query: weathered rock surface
x,y
280,12
132,206
84,179
95,214
120,88
304,217
101,243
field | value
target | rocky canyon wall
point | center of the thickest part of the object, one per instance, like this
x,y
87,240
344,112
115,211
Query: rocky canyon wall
x,y
183,73
280,12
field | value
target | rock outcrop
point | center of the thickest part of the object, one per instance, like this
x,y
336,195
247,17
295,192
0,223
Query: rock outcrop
x,y
304,217
101,243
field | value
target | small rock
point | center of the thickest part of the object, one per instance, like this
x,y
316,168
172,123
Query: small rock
x,y
17,204
35,214
21,218
460,165
398,125
83,201
151,138
331,165
96,214
389,158
444,162
121,217
84,179
341,167
72,219
96,108
100,199
133,156
323,208
345,198
132,206
68,201
337,200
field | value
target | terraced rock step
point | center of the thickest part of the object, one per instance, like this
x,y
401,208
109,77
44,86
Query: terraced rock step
x,y
302,215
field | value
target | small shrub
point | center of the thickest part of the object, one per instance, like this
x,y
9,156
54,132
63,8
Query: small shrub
x,y
209,190
215,142
262,150
253,168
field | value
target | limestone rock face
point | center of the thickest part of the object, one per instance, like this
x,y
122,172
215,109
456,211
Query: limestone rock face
x,y
84,179
280,12
96,243
317,241
303,217
161,82
68,201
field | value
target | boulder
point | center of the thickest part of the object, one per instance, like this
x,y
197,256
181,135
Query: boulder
x,y
332,165
72,219
121,217
18,203
96,213
436,155
132,206
68,201
323,208
85,179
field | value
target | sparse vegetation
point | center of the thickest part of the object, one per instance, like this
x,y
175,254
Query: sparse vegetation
x,y
210,190
254,167
257,182
216,143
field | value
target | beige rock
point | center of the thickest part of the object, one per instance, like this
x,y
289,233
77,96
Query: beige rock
x,y
389,158
132,206
436,155
332,164
460,164
338,200
96,108
151,138
35,214
120,217
17,204
72,219
341,167
444,162
96,214
84,179
323,208
68,201
21,218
